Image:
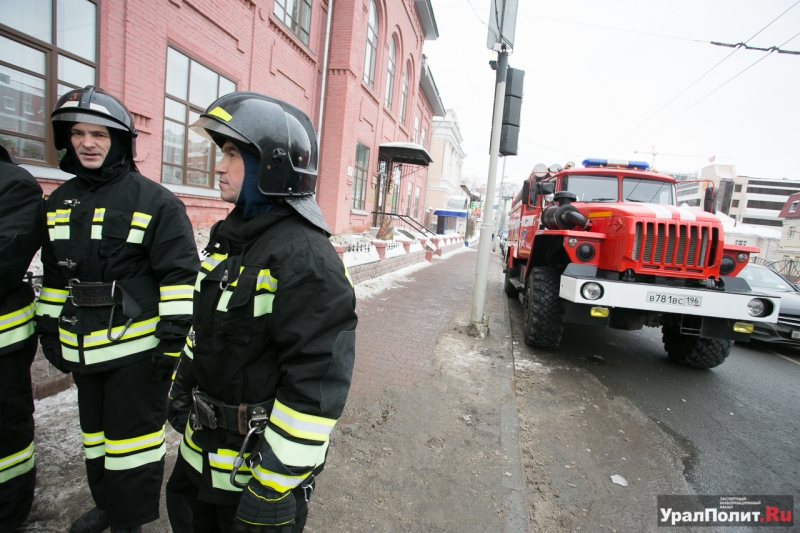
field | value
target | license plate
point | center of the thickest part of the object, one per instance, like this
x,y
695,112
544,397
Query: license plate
x,y
796,334
679,300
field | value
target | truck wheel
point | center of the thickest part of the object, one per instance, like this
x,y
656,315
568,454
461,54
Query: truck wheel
x,y
544,309
510,289
689,350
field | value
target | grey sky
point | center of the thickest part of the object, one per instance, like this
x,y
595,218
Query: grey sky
x,y
591,79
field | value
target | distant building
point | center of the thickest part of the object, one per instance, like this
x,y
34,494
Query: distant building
x,y
445,194
789,250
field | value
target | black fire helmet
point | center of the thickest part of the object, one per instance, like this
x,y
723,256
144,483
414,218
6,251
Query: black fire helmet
x,y
94,106
281,134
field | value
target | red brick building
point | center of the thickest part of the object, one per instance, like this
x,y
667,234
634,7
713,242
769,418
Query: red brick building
x,y
169,59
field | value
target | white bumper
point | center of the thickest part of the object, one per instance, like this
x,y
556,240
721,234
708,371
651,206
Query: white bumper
x,y
662,299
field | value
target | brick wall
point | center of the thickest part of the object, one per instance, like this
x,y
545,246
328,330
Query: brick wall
x,y
46,379
376,269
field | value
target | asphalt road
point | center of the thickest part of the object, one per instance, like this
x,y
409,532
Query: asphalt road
x,y
738,424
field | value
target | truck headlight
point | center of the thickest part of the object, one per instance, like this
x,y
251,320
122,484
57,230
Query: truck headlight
x,y
727,265
592,291
585,252
742,257
758,307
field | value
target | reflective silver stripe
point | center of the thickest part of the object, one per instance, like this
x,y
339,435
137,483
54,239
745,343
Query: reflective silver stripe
x,y
16,458
51,218
176,292
277,481
62,216
67,337
136,443
17,317
266,281
99,214
141,220
17,464
223,460
300,424
91,439
53,295
137,329
210,262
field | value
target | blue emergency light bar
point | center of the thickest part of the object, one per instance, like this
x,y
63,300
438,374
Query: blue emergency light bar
x,y
615,163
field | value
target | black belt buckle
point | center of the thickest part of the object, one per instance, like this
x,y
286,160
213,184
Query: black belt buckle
x,y
206,412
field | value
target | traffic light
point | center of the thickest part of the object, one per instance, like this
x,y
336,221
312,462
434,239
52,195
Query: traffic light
x,y
512,108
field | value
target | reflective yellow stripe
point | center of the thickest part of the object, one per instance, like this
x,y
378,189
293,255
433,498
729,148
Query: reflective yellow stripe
x,y
97,232
223,460
293,453
17,464
262,304
266,282
51,218
136,443
347,274
135,460
56,296
135,236
15,318
277,481
173,354
222,480
117,350
301,425
192,457
61,216
94,444
210,262
141,219
176,292
222,305
188,434
43,309
91,439
175,308
99,214
137,329
188,351
67,337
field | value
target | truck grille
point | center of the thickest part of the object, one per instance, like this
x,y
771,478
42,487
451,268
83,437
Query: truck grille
x,y
791,321
674,245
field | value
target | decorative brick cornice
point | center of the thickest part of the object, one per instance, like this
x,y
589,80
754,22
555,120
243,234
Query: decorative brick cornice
x,y
289,38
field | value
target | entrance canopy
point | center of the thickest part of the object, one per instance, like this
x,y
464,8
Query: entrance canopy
x,y
460,213
403,152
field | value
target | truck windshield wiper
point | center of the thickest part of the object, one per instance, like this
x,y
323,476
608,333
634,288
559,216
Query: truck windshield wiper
x,y
604,199
632,200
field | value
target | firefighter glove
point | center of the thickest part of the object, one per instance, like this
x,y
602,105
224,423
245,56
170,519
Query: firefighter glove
x,y
51,346
263,510
162,362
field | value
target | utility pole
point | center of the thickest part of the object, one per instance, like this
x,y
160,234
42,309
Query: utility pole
x,y
502,25
500,210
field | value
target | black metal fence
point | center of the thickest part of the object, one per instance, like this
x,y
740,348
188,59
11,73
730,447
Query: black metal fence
x,y
359,247
788,268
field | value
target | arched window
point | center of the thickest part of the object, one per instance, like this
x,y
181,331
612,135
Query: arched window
x,y
372,45
387,100
404,96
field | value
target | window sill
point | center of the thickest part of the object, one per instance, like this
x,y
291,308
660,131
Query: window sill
x,y
49,173
191,191
358,212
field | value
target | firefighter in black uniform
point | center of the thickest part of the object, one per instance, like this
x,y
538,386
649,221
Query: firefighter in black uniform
x,y
21,230
266,371
119,269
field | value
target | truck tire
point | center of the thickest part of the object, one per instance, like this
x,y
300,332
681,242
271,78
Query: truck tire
x,y
689,350
511,290
544,309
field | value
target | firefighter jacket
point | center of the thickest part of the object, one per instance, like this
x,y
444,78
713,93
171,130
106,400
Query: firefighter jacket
x,y
21,228
125,229
274,321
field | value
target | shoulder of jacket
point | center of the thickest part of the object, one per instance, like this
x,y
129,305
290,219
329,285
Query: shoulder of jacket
x,y
10,173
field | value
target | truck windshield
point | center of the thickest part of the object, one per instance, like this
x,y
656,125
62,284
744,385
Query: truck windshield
x,y
591,188
647,191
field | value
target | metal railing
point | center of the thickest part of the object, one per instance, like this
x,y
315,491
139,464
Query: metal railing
x,y
359,247
407,221
788,268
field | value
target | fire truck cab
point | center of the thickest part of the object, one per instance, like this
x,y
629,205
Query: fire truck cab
x,y
607,245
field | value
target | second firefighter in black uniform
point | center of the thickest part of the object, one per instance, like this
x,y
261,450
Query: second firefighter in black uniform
x,y
21,230
120,263
271,354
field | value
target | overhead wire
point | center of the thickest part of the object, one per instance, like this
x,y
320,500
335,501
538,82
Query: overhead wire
x,y
645,121
706,96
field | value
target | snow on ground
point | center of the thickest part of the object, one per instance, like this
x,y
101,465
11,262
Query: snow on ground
x,y
395,251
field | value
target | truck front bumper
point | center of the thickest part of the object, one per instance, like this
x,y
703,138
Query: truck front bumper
x,y
663,299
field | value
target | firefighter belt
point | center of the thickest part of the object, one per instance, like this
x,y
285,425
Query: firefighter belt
x,y
211,413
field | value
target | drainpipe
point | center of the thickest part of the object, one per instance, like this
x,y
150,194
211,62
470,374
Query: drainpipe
x,y
322,90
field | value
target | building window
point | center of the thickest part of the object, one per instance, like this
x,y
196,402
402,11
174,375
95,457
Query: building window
x,y
404,96
422,138
188,158
741,243
763,204
734,203
791,232
408,201
372,45
793,207
296,15
396,173
737,187
47,48
360,177
416,203
387,100
416,129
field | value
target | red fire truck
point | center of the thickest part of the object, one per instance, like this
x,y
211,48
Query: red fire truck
x,y
607,245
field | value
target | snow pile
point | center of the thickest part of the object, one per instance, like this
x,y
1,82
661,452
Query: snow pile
x,y
416,246
732,227
361,257
371,287
395,251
